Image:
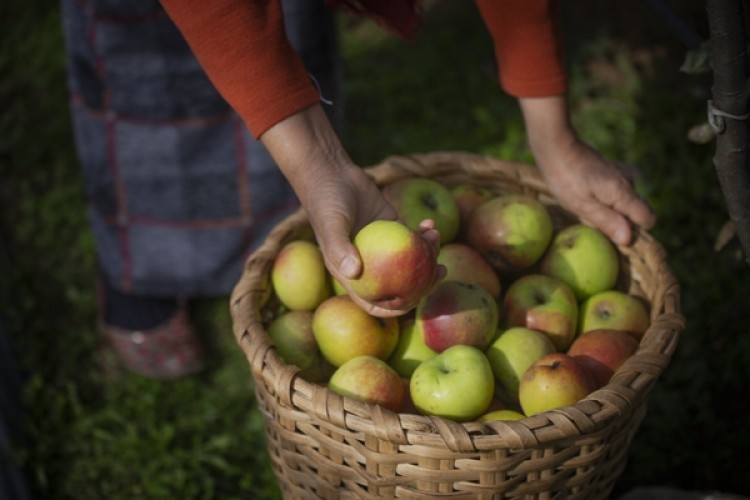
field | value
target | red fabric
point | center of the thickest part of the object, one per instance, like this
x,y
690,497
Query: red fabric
x,y
527,47
242,47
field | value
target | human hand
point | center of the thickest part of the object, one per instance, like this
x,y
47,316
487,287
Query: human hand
x,y
583,181
339,197
598,191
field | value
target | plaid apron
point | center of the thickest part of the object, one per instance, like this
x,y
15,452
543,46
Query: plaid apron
x,y
178,191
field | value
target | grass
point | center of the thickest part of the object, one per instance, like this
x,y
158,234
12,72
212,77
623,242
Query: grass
x,y
203,437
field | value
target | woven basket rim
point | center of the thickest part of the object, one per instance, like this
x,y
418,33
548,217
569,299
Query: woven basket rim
x,y
626,391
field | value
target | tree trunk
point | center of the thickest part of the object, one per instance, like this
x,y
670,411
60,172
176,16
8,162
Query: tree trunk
x,y
730,100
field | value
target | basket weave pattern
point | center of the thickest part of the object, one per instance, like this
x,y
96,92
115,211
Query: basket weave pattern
x,y
323,445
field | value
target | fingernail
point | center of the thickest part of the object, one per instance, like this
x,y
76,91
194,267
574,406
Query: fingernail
x,y
621,236
348,267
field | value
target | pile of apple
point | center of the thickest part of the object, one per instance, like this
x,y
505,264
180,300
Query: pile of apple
x,y
528,317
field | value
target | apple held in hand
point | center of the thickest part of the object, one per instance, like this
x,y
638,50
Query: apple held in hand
x,y
417,198
398,265
584,258
602,352
542,303
463,263
513,352
299,276
344,331
457,384
457,313
370,380
511,231
554,381
410,350
614,310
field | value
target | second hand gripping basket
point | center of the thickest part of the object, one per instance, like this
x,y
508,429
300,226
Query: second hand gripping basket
x,y
323,445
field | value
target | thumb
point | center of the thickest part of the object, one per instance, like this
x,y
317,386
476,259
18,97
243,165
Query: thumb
x,y
341,256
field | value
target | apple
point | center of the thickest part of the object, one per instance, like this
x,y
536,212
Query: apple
x,y
299,276
468,197
602,352
457,384
370,380
543,303
291,333
512,231
398,265
513,352
410,350
584,258
463,263
501,415
554,381
337,288
457,313
417,198
343,330
614,310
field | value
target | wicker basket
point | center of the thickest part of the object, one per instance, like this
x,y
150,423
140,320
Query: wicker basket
x,y
325,446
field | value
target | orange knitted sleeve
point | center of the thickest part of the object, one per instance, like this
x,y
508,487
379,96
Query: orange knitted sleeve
x,y
527,47
243,48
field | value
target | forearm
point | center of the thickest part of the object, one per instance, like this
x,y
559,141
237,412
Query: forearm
x,y
306,148
548,127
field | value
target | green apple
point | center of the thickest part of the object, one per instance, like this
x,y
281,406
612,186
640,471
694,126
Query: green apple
x,y
410,350
291,333
602,352
554,381
457,313
584,258
299,276
417,198
344,331
398,265
614,310
370,380
501,415
543,303
457,384
463,263
512,231
513,352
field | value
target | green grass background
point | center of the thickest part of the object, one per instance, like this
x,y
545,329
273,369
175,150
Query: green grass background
x,y
203,437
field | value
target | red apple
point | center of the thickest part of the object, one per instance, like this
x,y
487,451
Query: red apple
x,y
457,313
602,352
511,231
371,380
554,381
299,276
399,266
463,263
468,197
542,303
614,310
343,331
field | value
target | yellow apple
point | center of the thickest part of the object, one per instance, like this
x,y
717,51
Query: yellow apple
x,y
554,381
344,331
299,276
614,310
371,380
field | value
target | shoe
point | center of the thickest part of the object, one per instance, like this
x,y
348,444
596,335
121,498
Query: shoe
x,y
169,351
